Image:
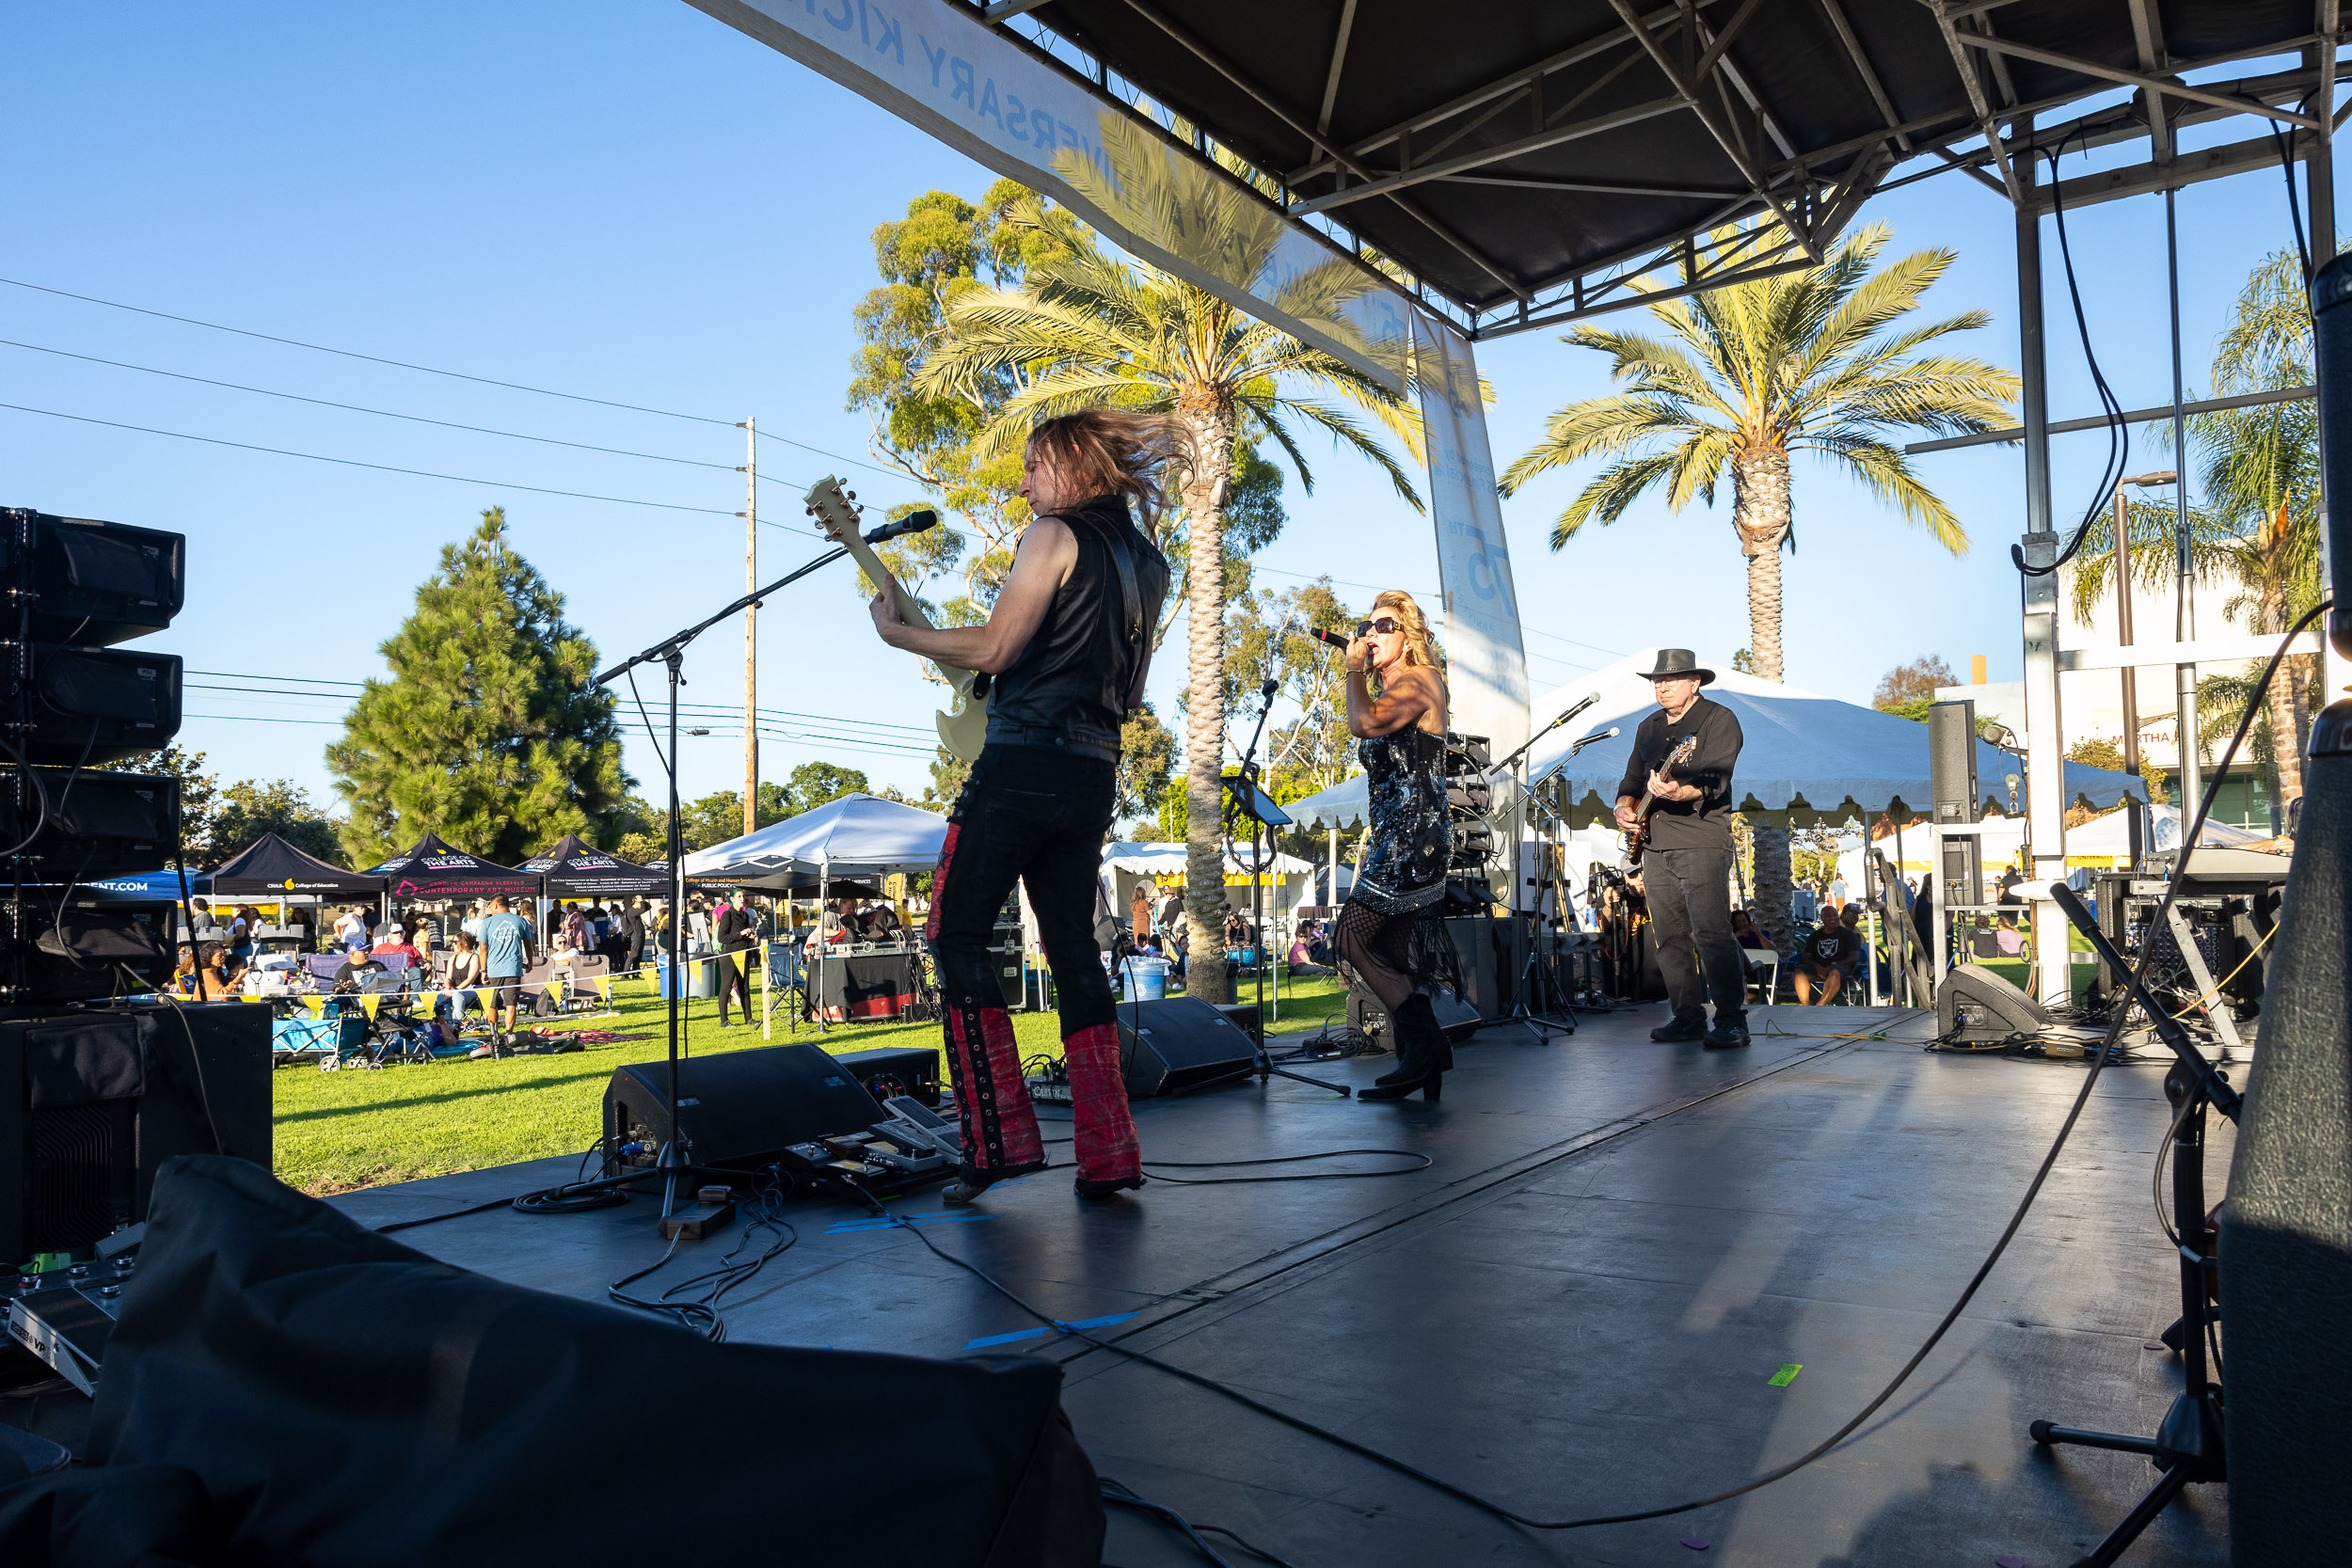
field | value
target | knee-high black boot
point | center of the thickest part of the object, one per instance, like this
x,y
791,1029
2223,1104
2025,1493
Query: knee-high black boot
x,y
1417,1019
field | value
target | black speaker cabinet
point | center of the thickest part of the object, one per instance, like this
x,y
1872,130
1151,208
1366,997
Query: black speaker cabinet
x,y
1976,1006
1952,761
92,1103
912,1070
1177,1044
741,1108
1477,950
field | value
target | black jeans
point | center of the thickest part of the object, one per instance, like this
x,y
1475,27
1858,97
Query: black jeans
x,y
1036,816
1690,919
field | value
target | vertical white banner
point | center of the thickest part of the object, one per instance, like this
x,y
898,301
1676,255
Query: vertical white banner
x,y
1486,660
935,65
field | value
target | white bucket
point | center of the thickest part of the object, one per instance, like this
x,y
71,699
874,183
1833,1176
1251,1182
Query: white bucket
x,y
1147,978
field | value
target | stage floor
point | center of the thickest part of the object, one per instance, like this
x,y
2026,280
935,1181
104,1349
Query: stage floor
x,y
1580,1309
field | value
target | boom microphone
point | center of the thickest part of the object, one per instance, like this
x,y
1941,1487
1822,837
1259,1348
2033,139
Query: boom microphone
x,y
914,522
1594,738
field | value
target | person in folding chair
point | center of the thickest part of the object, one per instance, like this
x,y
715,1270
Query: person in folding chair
x,y
1068,645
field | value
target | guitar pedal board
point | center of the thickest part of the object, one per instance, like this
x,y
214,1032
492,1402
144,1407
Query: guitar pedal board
x,y
915,1143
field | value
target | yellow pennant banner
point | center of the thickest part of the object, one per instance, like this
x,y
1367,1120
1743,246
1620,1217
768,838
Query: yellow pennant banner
x,y
482,994
556,988
604,988
369,1002
317,1005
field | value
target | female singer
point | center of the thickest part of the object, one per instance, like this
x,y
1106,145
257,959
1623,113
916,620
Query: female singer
x,y
1389,932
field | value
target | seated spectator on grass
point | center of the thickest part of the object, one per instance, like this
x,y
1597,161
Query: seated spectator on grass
x,y
183,975
2011,941
1822,962
352,975
221,968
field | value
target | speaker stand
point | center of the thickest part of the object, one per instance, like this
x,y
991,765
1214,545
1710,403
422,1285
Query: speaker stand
x,y
2187,1446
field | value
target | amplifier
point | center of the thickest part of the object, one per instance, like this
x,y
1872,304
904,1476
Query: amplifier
x,y
904,1070
92,1103
740,1108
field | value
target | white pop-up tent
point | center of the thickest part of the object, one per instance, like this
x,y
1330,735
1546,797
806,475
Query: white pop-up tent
x,y
1806,758
2108,838
1126,862
856,836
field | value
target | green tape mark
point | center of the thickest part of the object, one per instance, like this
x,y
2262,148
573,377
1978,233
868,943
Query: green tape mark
x,y
1786,1375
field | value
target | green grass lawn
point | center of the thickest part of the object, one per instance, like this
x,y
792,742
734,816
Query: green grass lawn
x,y
337,1130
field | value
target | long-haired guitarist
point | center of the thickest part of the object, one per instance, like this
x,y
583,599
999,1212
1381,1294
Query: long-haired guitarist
x,y
1068,645
1683,810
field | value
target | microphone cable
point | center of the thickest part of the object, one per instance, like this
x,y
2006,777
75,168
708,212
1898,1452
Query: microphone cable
x,y
1779,1472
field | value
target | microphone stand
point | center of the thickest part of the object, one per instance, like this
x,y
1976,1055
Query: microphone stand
x,y
675,1163
1523,1011
1242,799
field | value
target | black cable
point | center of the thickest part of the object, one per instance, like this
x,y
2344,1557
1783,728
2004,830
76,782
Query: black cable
x,y
650,734
1121,1494
379,468
1985,1270
40,795
1284,1160
355,408
2282,137
2119,433
371,358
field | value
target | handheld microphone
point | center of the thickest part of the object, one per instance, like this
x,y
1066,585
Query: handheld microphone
x,y
1331,637
914,522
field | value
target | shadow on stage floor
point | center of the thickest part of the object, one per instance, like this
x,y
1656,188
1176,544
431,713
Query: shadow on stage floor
x,y
1583,1306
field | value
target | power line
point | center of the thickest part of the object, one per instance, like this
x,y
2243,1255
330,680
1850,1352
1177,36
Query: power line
x,y
355,408
355,463
307,680
1376,588
371,358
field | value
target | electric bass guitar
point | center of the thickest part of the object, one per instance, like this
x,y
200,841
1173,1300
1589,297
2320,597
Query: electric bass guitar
x,y
962,729
1638,840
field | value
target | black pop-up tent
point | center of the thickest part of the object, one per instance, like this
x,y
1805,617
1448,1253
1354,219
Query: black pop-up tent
x,y
270,864
430,868
575,870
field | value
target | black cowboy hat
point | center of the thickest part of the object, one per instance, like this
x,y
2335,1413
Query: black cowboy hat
x,y
1679,662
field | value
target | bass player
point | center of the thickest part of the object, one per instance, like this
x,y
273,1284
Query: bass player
x,y
1686,859
1068,645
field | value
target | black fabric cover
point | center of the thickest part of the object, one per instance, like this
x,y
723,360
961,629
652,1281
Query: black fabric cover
x,y
122,1517
82,1061
573,869
2286,1230
347,1402
270,864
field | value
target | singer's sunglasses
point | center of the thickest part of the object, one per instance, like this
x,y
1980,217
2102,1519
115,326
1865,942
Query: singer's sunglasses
x,y
1381,627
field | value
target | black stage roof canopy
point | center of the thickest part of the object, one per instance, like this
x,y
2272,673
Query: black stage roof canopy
x,y
270,864
1526,159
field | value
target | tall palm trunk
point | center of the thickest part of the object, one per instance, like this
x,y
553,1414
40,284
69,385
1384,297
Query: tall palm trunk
x,y
1760,513
1211,424
2286,735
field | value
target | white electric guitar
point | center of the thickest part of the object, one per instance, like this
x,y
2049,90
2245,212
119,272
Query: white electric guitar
x,y
962,729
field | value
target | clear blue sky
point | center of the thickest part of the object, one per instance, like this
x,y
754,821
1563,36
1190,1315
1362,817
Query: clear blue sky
x,y
631,201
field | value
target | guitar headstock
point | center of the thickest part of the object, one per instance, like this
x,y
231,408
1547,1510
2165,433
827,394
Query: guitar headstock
x,y
835,509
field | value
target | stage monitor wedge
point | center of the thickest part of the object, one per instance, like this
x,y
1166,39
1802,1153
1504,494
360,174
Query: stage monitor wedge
x,y
90,583
741,1108
1179,1043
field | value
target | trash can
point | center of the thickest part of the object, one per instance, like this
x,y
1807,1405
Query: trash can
x,y
1146,978
702,978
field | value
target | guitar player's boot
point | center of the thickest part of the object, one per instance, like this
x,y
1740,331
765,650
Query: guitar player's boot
x,y
1675,1031
999,1125
1103,1130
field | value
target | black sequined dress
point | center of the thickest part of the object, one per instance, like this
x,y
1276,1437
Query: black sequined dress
x,y
1404,869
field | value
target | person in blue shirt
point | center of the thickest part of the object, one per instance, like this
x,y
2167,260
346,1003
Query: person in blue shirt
x,y
504,936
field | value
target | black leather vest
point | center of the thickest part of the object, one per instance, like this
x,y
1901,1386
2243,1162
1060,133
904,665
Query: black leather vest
x,y
1067,690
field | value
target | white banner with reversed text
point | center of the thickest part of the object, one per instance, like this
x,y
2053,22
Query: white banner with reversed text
x,y
1486,659
937,66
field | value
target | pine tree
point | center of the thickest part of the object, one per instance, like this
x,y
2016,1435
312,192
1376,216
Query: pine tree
x,y
487,731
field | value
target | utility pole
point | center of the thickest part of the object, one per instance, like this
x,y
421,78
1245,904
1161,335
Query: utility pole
x,y
750,623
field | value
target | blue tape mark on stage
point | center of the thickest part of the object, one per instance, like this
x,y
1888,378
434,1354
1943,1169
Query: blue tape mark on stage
x,y
1039,1333
843,1227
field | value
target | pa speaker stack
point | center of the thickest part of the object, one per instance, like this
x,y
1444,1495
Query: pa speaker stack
x,y
74,702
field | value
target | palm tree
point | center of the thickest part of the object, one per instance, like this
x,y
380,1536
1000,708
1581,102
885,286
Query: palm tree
x,y
1086,329
2259,521
1749,374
